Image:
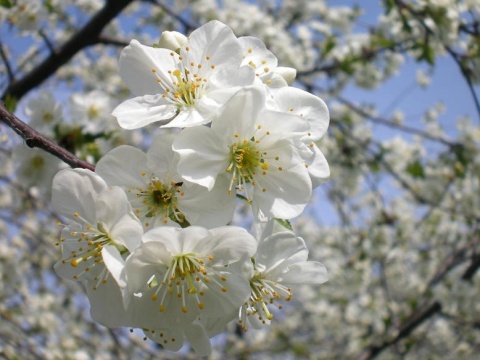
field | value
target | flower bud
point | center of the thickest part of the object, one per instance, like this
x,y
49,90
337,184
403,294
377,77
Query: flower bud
x,y
172,40
287,73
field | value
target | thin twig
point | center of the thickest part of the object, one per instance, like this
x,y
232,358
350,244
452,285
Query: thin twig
x,y
34,139
11,76
47,41
401,6
416,319
186,24
391,124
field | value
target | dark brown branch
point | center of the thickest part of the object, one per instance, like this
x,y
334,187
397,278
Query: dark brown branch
x,y
472,268
34,139
415,320
109,40
85,37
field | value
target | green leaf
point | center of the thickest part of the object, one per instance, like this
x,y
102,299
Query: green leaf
x,y
415,169
10,103
388,4
6,3
330,43
49,5
428,54
285,223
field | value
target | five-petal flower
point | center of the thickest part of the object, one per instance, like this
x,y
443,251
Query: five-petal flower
x,y
186,88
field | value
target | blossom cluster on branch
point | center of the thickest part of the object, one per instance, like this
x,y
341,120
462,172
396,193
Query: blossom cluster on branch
x,y
396,225
149,234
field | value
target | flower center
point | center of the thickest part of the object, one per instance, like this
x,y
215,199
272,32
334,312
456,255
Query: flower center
x,y
187,278
93,112
37,162
159,199
184,85
47,117
244,163
264,293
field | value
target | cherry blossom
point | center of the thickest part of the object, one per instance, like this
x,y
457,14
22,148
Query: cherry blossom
x,y
255,149
186,88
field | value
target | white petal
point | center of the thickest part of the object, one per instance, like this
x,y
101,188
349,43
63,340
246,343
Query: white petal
x,y
143,110
276,252
164,338
309,106
188,117
287,73
230,76
106,305
161,159
310,272
198,339
318,168
202,155
215,40
116,215
149,258
240,114
123,166
287,191
257,55
227,244
114,263
137,62
208,208
75,191
219,302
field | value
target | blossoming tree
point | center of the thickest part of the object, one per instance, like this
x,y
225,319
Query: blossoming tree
x,y
181,179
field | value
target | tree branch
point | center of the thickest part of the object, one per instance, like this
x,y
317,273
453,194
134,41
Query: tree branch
x,y
402,5
34,139
85,37
415,320
186,24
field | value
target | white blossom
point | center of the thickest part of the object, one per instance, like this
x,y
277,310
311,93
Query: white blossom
x,y
184,89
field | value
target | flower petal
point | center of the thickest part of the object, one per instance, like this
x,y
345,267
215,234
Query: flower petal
x,y
227,244
277,251
115,214
215,40
123,166
310,107
144,110
208,208
74,192
137,62
202,155
114,263
309,272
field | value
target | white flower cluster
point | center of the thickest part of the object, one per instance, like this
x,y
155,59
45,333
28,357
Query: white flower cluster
x,y
149,233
